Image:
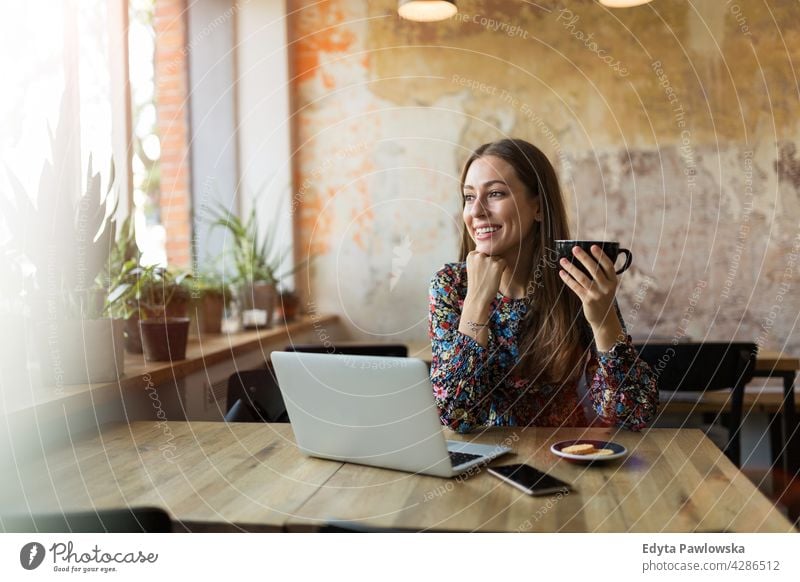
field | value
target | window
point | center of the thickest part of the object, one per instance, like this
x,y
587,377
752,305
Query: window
x,y
146,145
66,58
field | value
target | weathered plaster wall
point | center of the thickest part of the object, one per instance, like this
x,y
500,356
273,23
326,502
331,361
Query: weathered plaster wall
x,y
673,126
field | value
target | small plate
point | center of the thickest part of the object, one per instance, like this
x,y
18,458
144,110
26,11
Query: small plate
x,y
619,450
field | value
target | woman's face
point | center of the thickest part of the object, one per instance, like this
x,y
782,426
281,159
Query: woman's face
x,y
498,210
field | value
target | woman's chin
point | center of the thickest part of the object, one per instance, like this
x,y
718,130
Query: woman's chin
x,y
487,248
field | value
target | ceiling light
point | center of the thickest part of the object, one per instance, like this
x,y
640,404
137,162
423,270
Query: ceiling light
x,y
427,10
623,3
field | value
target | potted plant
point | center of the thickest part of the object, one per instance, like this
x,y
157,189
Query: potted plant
x,y
65,235
258,265
162,302
66,239
255,261
136,293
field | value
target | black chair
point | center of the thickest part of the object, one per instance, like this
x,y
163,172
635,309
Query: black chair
x,y
254,396
337,526
706,367
352,349
129,520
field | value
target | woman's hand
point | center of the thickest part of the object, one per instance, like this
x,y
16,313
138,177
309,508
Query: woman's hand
x,y
484,273
483,283
596,293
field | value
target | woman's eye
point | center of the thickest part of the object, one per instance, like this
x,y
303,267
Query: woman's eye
x,y
469,197
496,193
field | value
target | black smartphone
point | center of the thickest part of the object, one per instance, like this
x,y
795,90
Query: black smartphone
x,y
529,479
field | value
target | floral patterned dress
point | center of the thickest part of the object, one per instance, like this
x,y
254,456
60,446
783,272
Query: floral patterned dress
x,y
473,385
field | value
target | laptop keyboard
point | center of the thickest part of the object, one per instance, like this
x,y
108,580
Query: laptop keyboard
x,y
457,459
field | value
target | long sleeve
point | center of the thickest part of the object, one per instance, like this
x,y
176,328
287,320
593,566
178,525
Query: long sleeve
x,y
459,364
622,387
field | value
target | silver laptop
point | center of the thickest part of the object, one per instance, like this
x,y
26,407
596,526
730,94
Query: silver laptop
x,y
371,410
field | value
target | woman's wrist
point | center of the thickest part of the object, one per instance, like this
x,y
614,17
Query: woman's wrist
x,y
607,334
475,320
478,300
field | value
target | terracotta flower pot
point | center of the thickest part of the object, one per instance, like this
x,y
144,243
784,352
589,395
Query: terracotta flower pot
x,y
211,311
288,306
133,334
164,340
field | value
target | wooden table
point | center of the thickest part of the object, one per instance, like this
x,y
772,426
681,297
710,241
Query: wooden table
x,y
251,477
207,475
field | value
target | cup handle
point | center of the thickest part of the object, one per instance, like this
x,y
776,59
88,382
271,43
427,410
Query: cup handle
x,y
628,260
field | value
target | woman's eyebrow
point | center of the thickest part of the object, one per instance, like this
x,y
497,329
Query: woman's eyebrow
x,y
485,184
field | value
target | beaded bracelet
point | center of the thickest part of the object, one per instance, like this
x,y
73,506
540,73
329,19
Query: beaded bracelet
x,y
474,327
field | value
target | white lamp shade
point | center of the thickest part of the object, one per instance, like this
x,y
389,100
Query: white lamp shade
x,y
427,10
623,3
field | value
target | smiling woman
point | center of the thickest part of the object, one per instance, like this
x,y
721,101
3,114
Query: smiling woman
x,y
511,334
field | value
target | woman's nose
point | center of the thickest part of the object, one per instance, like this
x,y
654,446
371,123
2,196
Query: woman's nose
x,y
479,207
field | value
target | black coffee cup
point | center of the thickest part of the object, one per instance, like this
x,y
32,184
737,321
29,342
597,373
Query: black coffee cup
x,y
611,248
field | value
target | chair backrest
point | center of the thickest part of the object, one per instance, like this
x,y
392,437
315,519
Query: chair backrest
x,y
127,520
254,396
352,349
700,366
704,367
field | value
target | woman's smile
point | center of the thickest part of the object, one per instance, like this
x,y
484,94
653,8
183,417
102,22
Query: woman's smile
x,y
486,232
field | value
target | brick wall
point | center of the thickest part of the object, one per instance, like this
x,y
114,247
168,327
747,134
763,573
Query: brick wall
x,y
172,110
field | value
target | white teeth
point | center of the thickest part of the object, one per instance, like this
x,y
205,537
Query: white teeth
x,y
486,229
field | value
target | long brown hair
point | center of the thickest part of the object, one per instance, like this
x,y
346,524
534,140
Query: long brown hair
x,y
552,342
